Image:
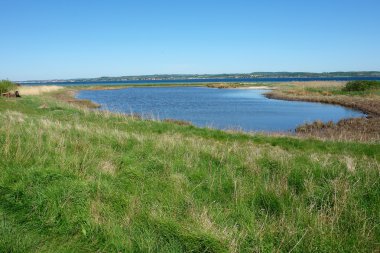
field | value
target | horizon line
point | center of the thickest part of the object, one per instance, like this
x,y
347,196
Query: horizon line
x,y
203,74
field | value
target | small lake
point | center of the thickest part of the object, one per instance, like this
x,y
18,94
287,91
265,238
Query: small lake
x,y
247,110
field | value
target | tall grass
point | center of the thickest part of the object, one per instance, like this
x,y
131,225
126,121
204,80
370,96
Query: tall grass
x,y
76,180
6,86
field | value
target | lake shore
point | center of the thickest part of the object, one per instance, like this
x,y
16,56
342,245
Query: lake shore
x,y
359,129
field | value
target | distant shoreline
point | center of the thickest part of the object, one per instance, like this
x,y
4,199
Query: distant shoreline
x,y
91,82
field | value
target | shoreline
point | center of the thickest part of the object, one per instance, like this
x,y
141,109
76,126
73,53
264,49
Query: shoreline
x,y
354,106
325,130
365,128
370,122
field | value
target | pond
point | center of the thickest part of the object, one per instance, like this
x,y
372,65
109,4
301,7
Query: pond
x,y
241,109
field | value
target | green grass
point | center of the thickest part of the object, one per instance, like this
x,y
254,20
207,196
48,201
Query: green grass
x,y
362,86
342,91
74,180
353,88
6,86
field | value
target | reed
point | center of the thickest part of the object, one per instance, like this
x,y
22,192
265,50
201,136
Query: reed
x,y
6,86
365,129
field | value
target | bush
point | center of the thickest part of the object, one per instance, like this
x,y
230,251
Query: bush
x,y
6,86
361,85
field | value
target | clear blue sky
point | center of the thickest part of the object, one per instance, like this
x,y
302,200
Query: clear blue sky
x,y
45,39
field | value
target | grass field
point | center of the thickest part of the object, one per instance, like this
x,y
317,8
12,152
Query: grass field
x,y
77,180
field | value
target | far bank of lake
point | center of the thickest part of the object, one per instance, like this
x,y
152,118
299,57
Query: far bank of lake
x,y
199,81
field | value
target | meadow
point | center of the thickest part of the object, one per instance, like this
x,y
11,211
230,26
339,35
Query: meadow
x,y
74,179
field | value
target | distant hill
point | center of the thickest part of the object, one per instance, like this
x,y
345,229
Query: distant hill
x,y
221,76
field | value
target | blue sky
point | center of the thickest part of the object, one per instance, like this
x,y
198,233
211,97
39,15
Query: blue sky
x,y
88,38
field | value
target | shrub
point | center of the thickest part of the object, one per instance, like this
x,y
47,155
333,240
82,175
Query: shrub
x,y
6,86
361,85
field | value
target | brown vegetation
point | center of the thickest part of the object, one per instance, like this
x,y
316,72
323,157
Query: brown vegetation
x,y
224,85
368,104
178,122
358,129
15,94
38,90
68,96
237,86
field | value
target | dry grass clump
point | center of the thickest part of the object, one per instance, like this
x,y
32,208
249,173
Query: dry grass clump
x,y
224,85
319,84
237,86
367,104
68,96
38,90
359,129
178,122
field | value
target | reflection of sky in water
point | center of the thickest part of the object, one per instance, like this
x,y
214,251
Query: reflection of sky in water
x,y
220,108
244,93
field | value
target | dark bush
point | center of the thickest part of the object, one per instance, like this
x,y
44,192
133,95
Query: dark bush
x,y
361,85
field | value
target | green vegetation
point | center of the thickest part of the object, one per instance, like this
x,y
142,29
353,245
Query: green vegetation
x,y
6,86
352,88
80,180
362,86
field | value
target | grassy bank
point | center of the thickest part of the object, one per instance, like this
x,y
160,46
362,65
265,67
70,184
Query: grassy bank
x,y
74,180
361,95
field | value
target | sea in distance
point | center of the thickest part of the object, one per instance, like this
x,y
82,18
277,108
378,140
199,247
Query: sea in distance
x,y
194,81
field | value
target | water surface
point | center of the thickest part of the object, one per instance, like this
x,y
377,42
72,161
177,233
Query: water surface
x,y
247,110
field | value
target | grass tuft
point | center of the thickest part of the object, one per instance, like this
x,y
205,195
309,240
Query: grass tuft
x,y
268,202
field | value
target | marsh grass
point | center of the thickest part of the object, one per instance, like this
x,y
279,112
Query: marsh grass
x,y
367,100
73,179
6,86
38,90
